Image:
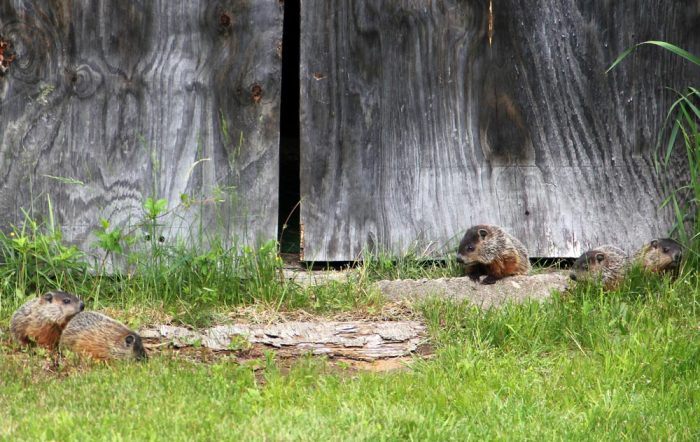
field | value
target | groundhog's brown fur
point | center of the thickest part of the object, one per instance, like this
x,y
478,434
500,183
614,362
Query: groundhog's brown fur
x,y
661,255
42,319
489,250
101,337
605,264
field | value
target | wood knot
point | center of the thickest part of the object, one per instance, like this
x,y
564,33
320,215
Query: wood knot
x,y
256,93
225,20
7,55
84,80
278,49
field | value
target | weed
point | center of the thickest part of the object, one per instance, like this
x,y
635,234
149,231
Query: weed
x,y
191,281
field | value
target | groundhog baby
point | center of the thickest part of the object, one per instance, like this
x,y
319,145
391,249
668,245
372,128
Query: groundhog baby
x,y
660,256
491,251
102,338
42,319
605,264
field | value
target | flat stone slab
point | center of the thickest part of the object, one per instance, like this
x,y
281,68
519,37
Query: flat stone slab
x,y
512,289
355,340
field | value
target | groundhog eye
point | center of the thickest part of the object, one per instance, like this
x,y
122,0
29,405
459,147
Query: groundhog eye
x,y
666,249
129,340
600,257
470,248
66,300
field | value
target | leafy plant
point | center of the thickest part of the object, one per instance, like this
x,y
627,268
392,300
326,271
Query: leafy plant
x,y
35,260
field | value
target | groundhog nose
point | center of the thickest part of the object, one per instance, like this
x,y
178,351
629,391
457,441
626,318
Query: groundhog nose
x,y
677,257
82,306
459,259
572,276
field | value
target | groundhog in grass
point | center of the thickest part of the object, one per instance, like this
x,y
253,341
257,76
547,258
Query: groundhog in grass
x,y
605,264
662,255
491,251
42,319
102,338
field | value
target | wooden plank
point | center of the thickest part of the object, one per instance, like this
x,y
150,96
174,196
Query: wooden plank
x,y
142,99
355,340
414,126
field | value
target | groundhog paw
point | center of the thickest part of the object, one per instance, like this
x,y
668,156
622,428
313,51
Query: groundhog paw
x,y
489,280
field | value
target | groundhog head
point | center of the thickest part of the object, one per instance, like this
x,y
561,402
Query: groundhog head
x,y
130,347
469,251
589,266
662,255
61,306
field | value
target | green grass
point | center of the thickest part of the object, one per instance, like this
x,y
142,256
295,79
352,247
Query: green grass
x,y
587,365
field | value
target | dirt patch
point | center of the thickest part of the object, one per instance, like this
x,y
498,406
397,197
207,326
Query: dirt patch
x,y
513,289
265,314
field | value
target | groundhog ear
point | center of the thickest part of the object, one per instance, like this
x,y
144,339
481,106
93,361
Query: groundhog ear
x,y
655,243
48,296
483,233
600,257
129,339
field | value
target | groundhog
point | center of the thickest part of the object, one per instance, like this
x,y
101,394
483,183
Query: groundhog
x,y
42,319
605,264
102,338
491,251
661,255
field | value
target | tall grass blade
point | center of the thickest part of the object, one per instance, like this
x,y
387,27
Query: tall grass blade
x,y
668,46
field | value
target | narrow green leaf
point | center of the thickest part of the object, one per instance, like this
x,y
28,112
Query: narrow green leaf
x,y
668,46
671,142
622,56
675,49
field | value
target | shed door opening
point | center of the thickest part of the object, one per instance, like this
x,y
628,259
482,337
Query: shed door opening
x,y
288,230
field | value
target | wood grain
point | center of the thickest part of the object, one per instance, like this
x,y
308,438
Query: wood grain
x,y
355,340
414,127
141,99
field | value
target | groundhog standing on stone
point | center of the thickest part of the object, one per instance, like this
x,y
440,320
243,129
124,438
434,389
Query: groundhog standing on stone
x,y
102,338
42,320
661,256
489,250
605,264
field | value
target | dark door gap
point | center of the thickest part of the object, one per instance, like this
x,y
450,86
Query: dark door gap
x,y
289,194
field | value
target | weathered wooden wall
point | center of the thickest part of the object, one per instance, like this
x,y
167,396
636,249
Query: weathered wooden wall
x,y
414,126
142,98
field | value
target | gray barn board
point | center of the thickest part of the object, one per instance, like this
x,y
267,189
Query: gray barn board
x,y
362,340
111,102
415,126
